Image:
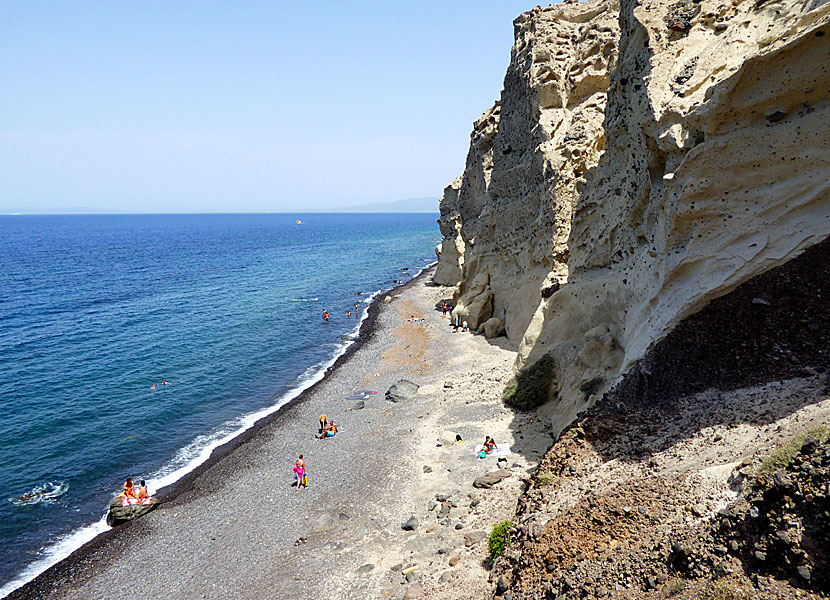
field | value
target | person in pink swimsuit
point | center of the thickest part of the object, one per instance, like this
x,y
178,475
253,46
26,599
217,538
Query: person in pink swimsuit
x,y
299,470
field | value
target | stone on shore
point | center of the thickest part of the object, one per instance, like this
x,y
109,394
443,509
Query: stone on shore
x,y
403,390
414,591
121,514
490,479
411,524
473,538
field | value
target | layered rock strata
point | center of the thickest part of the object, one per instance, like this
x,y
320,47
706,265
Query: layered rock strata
x,y
644,159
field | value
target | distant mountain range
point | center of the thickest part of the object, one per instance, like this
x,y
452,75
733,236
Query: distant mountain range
x,y
418,205
425,205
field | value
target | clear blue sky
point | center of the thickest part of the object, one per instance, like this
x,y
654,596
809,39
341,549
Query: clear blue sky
x,y
251,106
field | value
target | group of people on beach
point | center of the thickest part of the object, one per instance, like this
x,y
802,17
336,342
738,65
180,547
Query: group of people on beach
x,y
456,322
130,490
328,429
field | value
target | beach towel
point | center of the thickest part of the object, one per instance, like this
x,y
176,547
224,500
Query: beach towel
x,y
504,450
362,395
129,501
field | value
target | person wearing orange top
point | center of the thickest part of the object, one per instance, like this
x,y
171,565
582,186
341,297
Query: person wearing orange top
x,y
129,488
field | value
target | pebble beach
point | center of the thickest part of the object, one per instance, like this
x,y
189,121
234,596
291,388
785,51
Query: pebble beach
x,y
391,510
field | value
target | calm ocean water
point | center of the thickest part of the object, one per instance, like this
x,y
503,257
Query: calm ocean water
x,y
94,310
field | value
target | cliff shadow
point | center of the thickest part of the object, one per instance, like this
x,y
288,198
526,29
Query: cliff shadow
x,y
773,328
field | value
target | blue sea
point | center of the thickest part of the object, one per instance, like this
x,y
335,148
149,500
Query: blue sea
x,y
227,309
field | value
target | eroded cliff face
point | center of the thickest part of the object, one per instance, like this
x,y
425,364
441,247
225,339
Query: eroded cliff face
x,y
624,180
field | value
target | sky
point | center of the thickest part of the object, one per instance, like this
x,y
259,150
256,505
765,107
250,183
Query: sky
x,y
242,107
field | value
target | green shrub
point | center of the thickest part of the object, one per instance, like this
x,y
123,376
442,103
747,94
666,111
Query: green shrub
x,y
546,478
499,538
783,454
529,388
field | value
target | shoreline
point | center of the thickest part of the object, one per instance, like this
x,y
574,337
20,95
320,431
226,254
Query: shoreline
x,y
171,494
246,532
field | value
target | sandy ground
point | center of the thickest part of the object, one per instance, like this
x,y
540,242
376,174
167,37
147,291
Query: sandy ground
x,y
241,530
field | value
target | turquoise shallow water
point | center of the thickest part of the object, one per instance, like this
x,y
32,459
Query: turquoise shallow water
x,y
94,310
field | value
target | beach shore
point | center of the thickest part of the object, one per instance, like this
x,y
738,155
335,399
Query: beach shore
x,y
237,528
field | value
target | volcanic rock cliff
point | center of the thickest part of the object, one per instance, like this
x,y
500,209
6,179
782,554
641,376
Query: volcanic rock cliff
x,y
644,159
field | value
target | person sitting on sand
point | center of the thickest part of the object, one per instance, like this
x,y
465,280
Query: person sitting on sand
x,y
324,423
299,470
489,444
330,431
129,488
142,490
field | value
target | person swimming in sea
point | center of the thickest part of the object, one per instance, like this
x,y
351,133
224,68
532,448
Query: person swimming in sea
x,y
152,387
325,316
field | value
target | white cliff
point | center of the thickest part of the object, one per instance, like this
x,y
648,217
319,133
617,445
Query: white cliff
x,y
644,159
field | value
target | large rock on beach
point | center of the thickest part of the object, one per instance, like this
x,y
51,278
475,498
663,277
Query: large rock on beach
x,y
490,479
403,390
118,514
493,328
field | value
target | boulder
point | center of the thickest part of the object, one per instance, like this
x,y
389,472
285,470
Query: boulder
x,y
121,514
403,390
479,310
493,327
490,479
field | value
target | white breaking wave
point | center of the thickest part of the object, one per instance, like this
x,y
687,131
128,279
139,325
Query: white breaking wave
x,y
46,493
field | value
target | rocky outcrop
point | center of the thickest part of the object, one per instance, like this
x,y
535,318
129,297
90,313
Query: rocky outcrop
x,y
624,181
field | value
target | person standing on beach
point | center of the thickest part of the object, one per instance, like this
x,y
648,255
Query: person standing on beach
x,y
299,470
